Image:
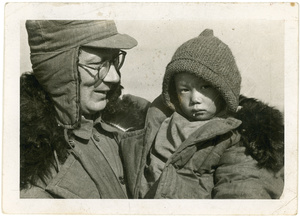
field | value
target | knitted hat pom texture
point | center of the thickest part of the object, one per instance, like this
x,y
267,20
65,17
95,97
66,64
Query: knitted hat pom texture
x,y
208,58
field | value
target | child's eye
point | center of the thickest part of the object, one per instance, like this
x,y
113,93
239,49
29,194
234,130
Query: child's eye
x,y
205,87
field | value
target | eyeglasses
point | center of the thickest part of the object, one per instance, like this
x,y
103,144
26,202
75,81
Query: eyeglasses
x,y
103,69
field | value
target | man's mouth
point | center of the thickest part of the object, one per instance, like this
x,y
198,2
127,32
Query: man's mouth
x,y
102,95
101,92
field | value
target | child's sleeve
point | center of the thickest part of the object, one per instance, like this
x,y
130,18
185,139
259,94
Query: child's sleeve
x,y
239,177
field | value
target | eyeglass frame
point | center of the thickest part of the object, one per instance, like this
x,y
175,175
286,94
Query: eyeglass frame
x,y
97,76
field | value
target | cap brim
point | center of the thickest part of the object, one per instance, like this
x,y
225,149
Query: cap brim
x,y
118,41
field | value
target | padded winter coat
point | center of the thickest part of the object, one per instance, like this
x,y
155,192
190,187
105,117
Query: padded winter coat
x,y
221,160
92,170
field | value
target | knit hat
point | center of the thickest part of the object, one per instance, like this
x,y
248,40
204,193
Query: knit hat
x,y
210,59
54,46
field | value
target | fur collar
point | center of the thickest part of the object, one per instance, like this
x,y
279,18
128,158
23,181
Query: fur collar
x,y
130,113
262,132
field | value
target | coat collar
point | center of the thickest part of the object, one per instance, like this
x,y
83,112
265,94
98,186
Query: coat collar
x,y
86,129
211,129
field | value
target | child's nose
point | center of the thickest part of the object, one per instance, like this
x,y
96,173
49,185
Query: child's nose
x,y
196,97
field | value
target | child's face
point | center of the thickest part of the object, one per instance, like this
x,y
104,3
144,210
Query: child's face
x,y
197,98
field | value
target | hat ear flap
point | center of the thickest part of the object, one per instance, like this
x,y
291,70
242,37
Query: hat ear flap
x,y
207,33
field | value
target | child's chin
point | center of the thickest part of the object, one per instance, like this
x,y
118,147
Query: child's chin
x,y
200,118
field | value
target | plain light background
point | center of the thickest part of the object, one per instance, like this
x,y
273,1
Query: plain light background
x,y
262,36
258,47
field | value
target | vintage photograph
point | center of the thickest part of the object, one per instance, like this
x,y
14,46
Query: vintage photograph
x,y
190,110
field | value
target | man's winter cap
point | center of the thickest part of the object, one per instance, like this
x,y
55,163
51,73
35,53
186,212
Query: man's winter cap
x,y
55,35
54,46
210,59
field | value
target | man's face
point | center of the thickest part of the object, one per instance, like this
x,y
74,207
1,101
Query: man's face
x,y
93,91
197,98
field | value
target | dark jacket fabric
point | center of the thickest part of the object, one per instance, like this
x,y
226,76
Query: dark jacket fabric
x,y
221,160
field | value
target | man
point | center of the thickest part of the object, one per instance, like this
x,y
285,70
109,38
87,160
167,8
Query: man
x,y
67,149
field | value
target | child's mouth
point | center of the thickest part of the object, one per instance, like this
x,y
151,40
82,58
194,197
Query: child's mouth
x,y
198,112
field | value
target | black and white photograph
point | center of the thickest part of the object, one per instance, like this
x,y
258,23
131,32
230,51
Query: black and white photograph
x,y
150,108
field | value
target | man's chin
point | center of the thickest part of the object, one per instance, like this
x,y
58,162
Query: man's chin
x,y
94,109
100,108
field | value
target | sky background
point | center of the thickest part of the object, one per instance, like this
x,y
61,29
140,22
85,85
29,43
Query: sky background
x,y
258,47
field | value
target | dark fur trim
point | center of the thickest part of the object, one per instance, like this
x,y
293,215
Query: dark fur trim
x,y
129,113
39,133
262,132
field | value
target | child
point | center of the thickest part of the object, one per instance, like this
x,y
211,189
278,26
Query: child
x,y
198,102
208,142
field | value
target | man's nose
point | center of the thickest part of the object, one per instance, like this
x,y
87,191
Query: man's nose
x,y
112,76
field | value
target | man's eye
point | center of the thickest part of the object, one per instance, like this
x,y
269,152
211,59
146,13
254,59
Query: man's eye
x,y
95,66
184,90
